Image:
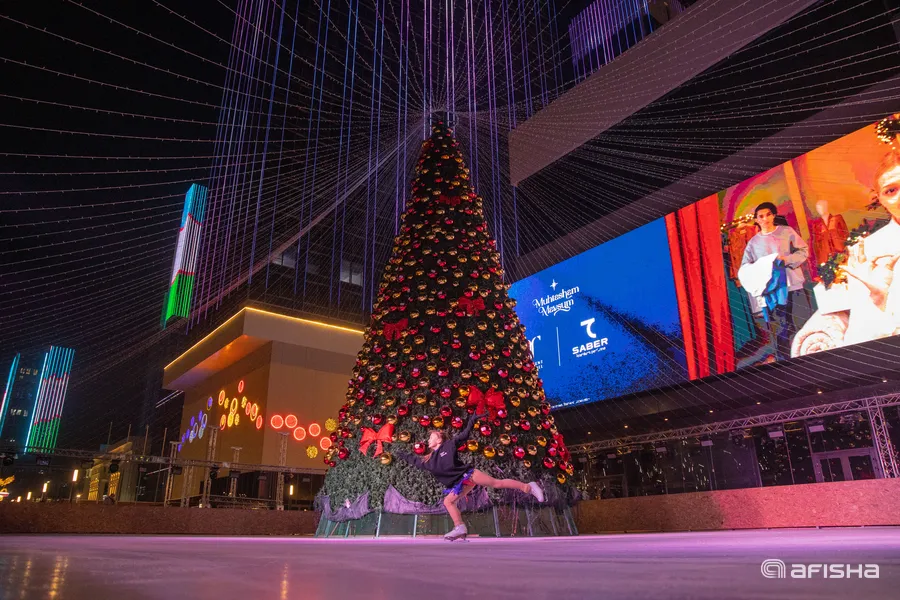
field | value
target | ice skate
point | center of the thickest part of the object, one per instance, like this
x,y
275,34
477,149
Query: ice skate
x,y
536,491
457,533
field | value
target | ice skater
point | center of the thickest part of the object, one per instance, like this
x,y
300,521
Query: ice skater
x,y
458,478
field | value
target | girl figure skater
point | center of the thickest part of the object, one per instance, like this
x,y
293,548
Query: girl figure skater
x,y
459,479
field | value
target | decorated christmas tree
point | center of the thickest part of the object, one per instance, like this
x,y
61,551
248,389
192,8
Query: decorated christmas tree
x,y
444,343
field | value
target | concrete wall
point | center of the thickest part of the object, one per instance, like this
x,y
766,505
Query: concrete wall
x,y
31,517
310,384
849,503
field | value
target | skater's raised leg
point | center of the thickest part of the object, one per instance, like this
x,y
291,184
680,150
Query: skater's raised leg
x,y
482,478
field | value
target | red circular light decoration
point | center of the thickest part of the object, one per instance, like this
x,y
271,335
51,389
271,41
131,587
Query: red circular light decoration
x,y
325,443
299,434
222,397
277,422
315,430
241,386
259,422
290,421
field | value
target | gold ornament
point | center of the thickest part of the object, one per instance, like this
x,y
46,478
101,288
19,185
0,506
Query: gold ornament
x,y
489,452
472,445
404,436
560,478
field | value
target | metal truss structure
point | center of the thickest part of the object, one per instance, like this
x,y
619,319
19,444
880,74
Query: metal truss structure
x,y
874,407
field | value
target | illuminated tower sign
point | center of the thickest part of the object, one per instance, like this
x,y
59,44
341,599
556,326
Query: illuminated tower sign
x,y
181,286
50,398
8,390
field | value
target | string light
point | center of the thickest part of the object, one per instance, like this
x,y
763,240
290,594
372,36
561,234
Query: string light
x,y
505,65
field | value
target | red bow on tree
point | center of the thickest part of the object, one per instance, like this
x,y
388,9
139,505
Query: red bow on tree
x,y
394,331
384,435
561,447
489,402
472,306
449,200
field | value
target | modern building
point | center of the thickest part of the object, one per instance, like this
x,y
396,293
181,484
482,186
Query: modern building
x,y
33,400
701,404
265,383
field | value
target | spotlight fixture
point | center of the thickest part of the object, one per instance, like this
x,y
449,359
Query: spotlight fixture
x,y
661,450
776,432
213,473
706,443
815,426
612,455
114,467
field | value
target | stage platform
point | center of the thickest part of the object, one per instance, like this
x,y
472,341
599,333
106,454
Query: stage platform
x,y
665,565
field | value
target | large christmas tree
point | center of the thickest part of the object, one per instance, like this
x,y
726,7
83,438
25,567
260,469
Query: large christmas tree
x,y
444,342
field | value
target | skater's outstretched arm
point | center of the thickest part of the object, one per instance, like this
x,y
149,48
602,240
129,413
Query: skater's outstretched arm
x,y
410,458
467,430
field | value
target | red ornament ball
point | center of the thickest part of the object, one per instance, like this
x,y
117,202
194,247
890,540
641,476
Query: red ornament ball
x,y
343,453
457,423
446,411
424,420
519,452
419,447
485,430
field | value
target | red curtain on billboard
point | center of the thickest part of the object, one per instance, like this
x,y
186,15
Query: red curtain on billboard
x,y
695,244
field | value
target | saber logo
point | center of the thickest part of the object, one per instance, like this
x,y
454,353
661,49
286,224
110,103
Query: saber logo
x,y
587,325
597,345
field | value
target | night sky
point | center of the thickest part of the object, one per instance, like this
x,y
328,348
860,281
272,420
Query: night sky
x,y
99,146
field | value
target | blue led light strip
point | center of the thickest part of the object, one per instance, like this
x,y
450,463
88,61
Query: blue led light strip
x,y
7,392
